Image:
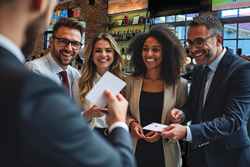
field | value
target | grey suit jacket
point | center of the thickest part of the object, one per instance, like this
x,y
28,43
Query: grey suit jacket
x,y
41,126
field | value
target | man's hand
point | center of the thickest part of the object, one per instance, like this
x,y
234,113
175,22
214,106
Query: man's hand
x,y
117,108
136,130
174,132
152,137
176,115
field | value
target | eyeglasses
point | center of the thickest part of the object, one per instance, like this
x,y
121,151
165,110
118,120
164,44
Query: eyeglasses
x,y
65,42
198,43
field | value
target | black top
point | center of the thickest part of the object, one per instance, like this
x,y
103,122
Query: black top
x,y
150,154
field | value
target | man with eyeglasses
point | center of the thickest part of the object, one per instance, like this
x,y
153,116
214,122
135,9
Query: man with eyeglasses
x,y
65,44
218,104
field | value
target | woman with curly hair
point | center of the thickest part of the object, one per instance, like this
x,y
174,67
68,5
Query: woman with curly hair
x,y
152,91
102,55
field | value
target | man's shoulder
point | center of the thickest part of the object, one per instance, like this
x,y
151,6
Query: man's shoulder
x,y
39,61
237,62
74,71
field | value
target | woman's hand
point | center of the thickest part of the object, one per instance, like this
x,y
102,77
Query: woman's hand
x,y
152,137
136,130
94,111
176,115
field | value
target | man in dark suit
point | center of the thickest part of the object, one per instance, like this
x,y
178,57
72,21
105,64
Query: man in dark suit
x,y
218,134
39,124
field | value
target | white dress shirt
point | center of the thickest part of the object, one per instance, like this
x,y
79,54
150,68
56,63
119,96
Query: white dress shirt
x,y
48,67
98,122
213,66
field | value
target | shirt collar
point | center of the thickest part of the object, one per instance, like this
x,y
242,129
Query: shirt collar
x,y
12,48
213,66
97,77
55,68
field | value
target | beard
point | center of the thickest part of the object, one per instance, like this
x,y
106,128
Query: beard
x,y
34,32
56,54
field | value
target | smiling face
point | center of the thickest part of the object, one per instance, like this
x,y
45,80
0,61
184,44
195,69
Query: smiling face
x,y
152,53
209,52
65,55
103,56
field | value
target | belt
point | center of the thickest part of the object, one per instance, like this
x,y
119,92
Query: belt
x,y
103,131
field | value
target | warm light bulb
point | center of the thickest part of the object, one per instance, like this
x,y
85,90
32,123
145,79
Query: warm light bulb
x,y
58,13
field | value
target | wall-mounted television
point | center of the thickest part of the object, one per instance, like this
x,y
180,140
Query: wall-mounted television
x,y
229,4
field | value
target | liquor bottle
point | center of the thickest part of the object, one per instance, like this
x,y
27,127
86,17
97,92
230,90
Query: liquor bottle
x,y
139,31
115,35
121,36
123,53
124,36
118,35
133,33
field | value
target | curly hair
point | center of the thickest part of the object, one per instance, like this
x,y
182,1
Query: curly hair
x,y
86,81
173,55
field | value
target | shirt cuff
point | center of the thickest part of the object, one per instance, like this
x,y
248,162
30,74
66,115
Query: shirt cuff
x,y
118,124
189,134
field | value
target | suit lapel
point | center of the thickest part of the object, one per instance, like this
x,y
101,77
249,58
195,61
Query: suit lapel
x,y
168,92
197,83
221,69
137,94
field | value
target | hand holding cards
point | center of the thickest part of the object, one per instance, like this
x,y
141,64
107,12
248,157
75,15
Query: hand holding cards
x,y
107,81
154,127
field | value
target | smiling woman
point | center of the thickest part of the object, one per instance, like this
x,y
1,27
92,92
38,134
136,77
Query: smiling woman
x,y
158,57
102,55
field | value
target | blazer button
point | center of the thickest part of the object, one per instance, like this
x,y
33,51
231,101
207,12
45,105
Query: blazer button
x,y
207,142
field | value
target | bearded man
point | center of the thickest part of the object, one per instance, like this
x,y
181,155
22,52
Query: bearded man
x,y
65,44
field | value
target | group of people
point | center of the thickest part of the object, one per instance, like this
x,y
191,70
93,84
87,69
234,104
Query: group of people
x,y
42,126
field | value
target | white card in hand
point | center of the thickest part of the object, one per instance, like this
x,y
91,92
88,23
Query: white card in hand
x,y
107,81
154,127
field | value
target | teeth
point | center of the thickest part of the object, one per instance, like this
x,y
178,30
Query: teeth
x,y
198,54
65,54
150,59
103,60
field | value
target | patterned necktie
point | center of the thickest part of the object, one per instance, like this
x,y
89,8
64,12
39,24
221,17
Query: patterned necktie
x,y
65,79
197,119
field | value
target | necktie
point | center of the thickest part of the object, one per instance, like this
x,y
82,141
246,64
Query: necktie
x,y
197,119
65,79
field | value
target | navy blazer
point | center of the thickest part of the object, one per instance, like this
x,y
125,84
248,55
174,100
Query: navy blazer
x,y
222,133
40,125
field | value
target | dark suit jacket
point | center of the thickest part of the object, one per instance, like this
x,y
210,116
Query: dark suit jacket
x,y
222,133
41,126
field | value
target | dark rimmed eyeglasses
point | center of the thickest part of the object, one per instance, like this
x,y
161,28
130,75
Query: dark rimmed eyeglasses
x,y
65,42
198,43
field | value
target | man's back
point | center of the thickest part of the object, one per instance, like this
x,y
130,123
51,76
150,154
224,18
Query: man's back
x,y
40,126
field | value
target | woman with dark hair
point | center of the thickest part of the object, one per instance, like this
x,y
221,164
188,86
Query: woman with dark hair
x,y
152,91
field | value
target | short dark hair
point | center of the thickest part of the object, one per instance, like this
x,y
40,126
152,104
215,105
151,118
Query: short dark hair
x,y
173,55
70,23
212,23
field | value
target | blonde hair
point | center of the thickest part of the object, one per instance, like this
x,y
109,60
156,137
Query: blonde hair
x,y
86,81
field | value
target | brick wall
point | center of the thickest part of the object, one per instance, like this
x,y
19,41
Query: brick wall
x,y
94,16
